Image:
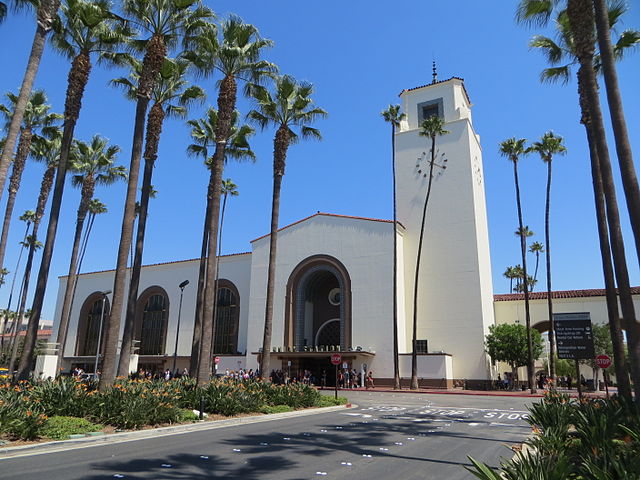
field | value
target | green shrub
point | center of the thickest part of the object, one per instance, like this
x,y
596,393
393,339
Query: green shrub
x,y
59,428
268,409
188,416
329,401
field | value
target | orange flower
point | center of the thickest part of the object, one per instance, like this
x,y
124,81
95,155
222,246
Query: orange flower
x,y
29,413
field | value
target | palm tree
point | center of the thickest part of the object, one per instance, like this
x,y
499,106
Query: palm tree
x,y
514,149
536,248
605,198
84,29
518,274
162,24
96,207
171,96
45,15
549,146
92,165
393,116
37,120
28,217
203,133
235,56
291,106
618,122
581,20
509,273
432,128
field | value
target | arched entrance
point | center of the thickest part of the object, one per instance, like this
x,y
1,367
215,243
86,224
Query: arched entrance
x,y
318,310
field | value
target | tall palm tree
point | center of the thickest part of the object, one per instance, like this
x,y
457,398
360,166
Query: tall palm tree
x,y
393,116
37,120
289,107
45,14
28,217
84,29
550,145
510,274
47,151
581,20
96,207
203,133
162,24
514,149
618,122
235,55
171,96
557,53
92,165
432,128
536,248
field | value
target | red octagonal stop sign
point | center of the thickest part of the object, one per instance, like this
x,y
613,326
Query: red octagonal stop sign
x,y
336,358
603,361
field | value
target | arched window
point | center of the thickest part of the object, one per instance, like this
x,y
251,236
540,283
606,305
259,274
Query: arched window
x,y
89,325
225,338
151,325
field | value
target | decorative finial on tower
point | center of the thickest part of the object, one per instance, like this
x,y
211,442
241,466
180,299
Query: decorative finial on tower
x,y
435,73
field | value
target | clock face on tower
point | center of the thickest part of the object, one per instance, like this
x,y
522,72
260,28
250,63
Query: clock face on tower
x,y
423,164
477,171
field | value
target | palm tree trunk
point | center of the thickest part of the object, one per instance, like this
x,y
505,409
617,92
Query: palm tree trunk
x,y
215,303
15,331
154,129
78,77
619,355
280,146
535,272
547,239
618,122
397,383
13,284
45,16
194,361
414,339
24,146
581,18
527,315
226,106
70,288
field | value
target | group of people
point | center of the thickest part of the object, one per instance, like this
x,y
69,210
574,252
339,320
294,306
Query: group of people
x,y
241,374
159,374
282,377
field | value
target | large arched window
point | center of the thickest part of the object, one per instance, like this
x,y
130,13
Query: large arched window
x,y
225,338
91,316
152,313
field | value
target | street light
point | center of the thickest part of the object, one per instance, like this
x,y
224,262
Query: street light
x,y
175,350
104,300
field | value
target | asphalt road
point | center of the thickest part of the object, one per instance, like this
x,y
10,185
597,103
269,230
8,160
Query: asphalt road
x,y
389,436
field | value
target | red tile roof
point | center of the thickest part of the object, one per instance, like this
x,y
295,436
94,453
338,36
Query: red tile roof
x,y
328,215
40,334
464,89
594,292
159,264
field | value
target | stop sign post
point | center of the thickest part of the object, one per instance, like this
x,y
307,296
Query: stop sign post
x,y
604,362
336,358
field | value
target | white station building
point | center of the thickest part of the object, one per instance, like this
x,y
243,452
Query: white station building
x,y
334,277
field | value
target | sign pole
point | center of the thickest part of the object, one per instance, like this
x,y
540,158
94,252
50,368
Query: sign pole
x,y
578,382
606,382
336,388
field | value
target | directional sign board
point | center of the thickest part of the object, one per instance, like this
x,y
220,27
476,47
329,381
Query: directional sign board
x,y
574,337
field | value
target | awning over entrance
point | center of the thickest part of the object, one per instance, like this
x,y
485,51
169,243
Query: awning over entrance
x,y
347,354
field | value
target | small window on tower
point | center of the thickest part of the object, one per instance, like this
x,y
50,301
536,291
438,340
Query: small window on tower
x,y
430,109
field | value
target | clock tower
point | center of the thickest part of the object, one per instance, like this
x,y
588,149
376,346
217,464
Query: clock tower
x,y
455,294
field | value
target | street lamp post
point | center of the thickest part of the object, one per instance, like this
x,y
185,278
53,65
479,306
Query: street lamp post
x,y
175,350
104,301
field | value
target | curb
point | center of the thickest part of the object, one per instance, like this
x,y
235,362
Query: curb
x,y
486,393
132,436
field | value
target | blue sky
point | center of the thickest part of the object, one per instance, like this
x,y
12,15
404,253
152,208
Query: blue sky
x,y
359,55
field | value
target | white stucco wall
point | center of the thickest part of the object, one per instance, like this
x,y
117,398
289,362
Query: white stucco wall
x,y
364,247
235,268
